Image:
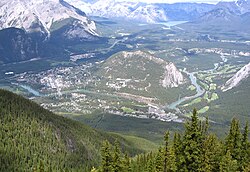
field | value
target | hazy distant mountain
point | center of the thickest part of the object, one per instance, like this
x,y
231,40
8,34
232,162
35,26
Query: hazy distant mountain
x,y
238,7
225,16
143,12
219,15
186,11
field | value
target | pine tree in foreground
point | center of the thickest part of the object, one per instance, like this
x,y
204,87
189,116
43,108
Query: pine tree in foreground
x,y
197,151
117,162
106,157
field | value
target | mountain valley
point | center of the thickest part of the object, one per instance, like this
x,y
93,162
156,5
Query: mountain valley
x,y
123,70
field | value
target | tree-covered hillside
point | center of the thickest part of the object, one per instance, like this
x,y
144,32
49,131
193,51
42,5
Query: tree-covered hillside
x,y
34,139
196,150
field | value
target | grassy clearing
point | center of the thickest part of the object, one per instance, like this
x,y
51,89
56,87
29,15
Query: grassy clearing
x,y
141,143
148,129
212,87
195,101
191,87
203,110
214,97
127,110
204,85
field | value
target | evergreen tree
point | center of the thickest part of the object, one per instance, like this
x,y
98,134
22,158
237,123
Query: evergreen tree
x,y
234,140
192,145
171,163
106,157
150,165
228,164
166,139
159,160
177,148
116,163
126,163
211,154
245,157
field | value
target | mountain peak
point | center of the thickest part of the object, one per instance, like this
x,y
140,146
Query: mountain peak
x,y
40,15
241,2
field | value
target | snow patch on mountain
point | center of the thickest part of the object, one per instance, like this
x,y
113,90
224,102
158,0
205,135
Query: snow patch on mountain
x,y
128,10
241,75
149,14
40,15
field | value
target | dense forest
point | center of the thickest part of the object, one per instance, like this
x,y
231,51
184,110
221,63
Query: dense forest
x,y
195,150
34,139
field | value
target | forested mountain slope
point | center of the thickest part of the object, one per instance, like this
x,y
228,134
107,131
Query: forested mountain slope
x,y
34,138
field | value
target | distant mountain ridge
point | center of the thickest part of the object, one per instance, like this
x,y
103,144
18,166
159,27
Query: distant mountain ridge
x,y
238,7
159,12
225,16
143,12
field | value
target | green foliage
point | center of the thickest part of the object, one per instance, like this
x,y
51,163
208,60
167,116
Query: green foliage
x,y
233,143
117,162
228,164
160,157
126,163
197,150
212,150
34,139
106,157
192,145
245,153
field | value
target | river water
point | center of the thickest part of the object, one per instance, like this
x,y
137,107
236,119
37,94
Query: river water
x,y
173,106
172,23
30,90
199,92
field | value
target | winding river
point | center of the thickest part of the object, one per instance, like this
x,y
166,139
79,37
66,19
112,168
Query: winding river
x,y
199,92
30,90
172,106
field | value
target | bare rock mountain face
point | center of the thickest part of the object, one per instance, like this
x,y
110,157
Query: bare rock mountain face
x,y
44,23
172,77
240,76
44,16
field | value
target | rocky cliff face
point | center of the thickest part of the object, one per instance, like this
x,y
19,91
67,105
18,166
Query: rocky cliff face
x,y
16,45
43,16
172,77
240,76
40,28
